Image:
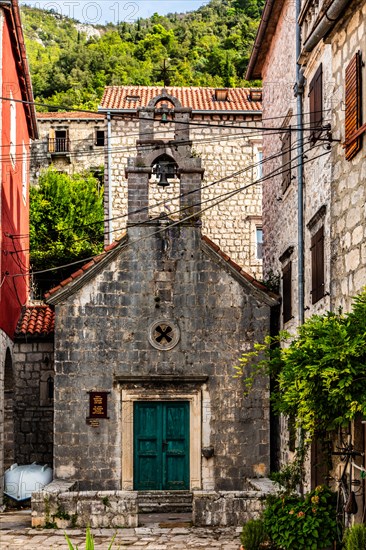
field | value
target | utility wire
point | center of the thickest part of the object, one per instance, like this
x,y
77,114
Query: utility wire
x,y
165,201
178,222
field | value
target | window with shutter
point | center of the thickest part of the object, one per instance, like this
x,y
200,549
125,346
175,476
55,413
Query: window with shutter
x,y
316,104
317,265
287,292
353,100
286,160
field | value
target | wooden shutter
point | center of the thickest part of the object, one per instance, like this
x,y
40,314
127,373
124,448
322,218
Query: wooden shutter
x,y
287,292
317,265
316,104
353,104
51,140
286,160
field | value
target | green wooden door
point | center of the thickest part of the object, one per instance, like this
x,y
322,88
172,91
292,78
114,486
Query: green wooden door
x,y
161,445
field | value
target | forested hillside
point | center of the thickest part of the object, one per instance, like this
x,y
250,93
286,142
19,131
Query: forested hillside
x,y
72,63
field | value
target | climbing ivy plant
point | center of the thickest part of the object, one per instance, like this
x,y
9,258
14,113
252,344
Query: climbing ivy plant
x,y
320,373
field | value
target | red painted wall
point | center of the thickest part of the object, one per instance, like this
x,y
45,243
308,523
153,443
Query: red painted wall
x,y
14,210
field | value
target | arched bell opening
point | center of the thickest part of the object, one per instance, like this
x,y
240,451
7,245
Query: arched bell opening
x,y
164,188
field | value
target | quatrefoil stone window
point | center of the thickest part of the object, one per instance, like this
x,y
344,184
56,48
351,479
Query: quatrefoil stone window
x,y
164,334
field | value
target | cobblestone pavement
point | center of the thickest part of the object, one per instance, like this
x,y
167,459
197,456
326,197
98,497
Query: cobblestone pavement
x,y
15,533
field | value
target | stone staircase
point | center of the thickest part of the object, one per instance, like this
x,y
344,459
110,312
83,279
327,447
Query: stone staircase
x,y
161,502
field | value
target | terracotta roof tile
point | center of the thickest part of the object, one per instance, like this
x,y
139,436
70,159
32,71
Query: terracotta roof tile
x,y
70,115
237,267
84,268
208,241
36,320
200,99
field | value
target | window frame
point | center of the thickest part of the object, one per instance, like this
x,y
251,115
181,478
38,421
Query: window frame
x,y
99,131
287,292
286,159
316,104
317,265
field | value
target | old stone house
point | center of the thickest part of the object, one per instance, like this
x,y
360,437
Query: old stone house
x,y
71,142
314,215
225,133
146,337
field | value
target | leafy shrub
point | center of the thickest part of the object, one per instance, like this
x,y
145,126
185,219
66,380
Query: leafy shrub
x,y
253,534
355,538
296,523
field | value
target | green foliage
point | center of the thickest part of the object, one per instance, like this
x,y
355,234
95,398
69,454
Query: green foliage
x,y
320,373
208,47
89,541
66,219
291,475
355,538
253,534
295,523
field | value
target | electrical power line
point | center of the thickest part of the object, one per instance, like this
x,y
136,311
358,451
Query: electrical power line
x,y
181,195
178,222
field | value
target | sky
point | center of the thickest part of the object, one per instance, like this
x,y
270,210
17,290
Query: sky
x,y
102,11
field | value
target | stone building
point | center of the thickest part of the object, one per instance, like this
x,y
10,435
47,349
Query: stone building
x,y
146,338
225,134
29,417
328,233
71,142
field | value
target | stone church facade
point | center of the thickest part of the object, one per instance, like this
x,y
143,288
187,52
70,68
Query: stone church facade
x,y
146,338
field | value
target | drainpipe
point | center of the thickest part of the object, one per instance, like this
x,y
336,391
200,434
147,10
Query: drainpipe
x,y
299,90
325,24
109,178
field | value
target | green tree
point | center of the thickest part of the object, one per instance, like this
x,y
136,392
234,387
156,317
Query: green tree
x,y
66,220
320,373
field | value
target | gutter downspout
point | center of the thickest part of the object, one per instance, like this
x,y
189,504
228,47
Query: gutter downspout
x,y
299,92
109,177
325,23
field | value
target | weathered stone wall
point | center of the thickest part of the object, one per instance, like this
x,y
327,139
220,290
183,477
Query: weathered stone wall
x,y
33,408
280,209
232,222
226,508
6,349
348,235
102,334
93,509
317,178
84,154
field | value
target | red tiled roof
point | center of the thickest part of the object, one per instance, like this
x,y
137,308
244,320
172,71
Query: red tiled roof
x,y
67,115
200,99
208,241
83,269
36,320
237,268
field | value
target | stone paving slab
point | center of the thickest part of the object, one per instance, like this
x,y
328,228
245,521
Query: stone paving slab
x,y
15,533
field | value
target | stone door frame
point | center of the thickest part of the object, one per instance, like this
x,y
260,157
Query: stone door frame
x,y
129,397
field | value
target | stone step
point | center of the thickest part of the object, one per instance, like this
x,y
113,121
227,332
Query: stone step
x,y
164,502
